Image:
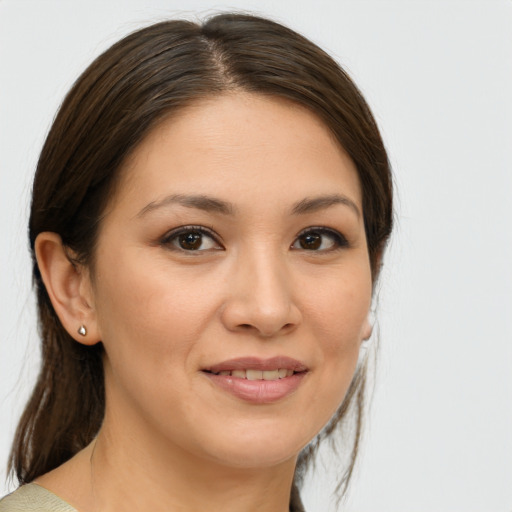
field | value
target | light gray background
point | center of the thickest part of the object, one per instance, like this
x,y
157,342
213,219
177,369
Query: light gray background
x,y
438,75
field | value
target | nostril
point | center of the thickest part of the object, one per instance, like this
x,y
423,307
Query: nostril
x,y
249,327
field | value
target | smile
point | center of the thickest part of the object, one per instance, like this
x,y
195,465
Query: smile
x,y
280,373
257,381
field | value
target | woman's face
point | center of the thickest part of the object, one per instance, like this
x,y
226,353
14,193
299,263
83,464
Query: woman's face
x,y
232,282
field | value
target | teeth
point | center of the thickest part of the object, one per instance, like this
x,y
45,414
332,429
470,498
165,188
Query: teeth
x,y
250,374
254,374
271,375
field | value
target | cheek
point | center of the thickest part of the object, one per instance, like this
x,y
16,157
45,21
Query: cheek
x,y
150,314
338,316
338,311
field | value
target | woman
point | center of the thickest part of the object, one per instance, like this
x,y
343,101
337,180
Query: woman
x,y
209,215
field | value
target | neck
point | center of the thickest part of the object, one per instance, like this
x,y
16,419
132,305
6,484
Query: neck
x,y
156,476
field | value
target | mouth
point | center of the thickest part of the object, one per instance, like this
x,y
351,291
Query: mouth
x,y
257,380
255,368
254,374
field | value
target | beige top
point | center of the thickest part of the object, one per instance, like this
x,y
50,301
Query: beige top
x,y
34,498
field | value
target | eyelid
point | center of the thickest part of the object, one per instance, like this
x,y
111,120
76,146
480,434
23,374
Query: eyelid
x,y
340,240
166,239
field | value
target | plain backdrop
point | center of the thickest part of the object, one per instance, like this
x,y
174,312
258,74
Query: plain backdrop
x,y
438,76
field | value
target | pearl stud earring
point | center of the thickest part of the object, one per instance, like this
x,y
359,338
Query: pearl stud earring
x,y
82,330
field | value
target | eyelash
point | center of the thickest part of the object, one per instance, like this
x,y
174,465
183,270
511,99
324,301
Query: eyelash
x,y
183,230
339,241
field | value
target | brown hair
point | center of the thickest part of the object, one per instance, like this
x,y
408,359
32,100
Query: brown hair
x,y
114,104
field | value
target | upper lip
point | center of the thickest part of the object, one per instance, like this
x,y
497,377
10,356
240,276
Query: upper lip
x,y
256,363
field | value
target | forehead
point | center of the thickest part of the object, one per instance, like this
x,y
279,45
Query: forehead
x,y
240,146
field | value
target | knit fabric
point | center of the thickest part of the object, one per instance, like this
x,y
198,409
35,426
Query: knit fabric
x,y
33,498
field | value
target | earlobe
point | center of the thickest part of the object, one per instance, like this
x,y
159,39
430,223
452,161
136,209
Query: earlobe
x,y
69,288
367,329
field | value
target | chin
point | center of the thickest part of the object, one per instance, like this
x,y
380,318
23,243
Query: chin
x,y
250,458
255,446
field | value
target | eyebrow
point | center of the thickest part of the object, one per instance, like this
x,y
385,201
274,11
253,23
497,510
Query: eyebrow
x,y
314,204
214,205
199,202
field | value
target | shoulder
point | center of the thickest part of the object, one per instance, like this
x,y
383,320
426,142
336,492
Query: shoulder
x,y
33,498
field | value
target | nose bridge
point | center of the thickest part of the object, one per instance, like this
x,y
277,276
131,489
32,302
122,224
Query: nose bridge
x,y
270,287
261,294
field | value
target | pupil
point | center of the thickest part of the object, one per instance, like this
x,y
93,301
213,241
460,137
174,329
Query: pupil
x,y
190,241
311,241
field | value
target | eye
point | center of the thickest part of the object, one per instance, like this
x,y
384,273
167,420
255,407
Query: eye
x,y
320,239
191,238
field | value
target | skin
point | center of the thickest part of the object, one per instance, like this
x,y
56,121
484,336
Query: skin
x,y
164,313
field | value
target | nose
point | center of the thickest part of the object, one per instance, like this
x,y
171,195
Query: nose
x,y
260,297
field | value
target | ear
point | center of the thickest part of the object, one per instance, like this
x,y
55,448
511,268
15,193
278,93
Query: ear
x,y
69,287
367,329
369,322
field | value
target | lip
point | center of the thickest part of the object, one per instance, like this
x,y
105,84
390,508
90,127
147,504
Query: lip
x,y
256,363
257,391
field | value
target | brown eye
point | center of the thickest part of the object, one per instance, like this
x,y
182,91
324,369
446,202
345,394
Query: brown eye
x,y
311,241
190,239
320,239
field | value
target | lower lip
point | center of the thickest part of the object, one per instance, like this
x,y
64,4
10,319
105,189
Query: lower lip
x,y
258,391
